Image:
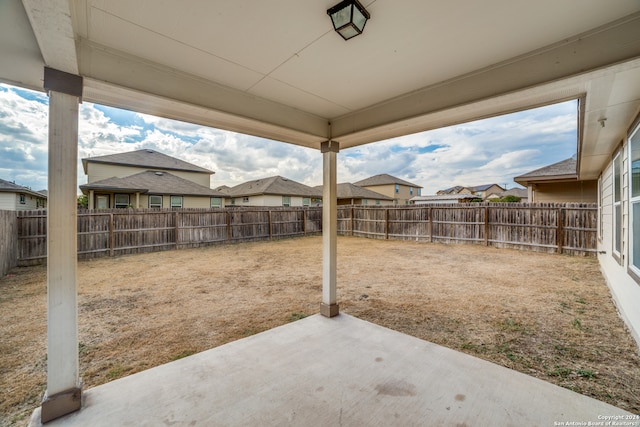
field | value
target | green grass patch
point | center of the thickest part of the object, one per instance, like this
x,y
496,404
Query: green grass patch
x,y
183,354
586,373
117,371
559,371
297,316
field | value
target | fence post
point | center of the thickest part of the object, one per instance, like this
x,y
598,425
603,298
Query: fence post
x,y
486,225
304,221
111,242
229,225
386,224
560,232
430,225
270,226
177,229
352,213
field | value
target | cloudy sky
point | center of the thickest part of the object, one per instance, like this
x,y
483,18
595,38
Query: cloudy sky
x,y
487,151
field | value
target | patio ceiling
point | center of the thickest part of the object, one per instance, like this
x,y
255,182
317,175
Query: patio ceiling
x,y
278,70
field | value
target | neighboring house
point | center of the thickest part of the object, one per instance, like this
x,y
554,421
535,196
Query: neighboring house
x,y
482,191
559,183
518,192
15,197
351,194
147,179
440,199
272,191
399,190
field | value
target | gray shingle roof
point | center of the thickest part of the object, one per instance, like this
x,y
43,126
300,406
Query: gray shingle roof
x,y
565,169
145,158
273,185
154,183
10,187
351,191
384,179
518,192
483,187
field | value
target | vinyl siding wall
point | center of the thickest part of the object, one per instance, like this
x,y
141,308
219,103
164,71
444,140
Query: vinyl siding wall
x,y
571,192
99,171
624,289
265,200
11,202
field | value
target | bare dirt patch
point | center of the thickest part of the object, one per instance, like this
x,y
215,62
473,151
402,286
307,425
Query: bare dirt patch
x,y
548,316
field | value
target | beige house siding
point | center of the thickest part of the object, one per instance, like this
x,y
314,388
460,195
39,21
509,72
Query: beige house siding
x,y
143,200
8,201
403,195
265,200
368,202
99,171
572,192
11,202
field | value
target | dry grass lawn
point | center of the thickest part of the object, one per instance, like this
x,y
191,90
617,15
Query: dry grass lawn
x,y
548,316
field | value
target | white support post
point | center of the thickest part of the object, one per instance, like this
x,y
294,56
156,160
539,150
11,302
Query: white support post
x,y
90,201
64,387
329,306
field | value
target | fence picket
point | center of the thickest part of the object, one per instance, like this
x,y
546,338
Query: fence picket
x,y
562,228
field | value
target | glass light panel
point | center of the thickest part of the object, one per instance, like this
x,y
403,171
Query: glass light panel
x,y
348,32
635,165
359,19
341,17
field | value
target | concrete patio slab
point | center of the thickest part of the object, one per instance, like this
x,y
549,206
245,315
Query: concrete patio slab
x,y
334,372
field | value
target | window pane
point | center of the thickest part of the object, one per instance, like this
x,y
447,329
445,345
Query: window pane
x,y
155,201
617,227
176,201
636,235
635,164
617,172
122,200
216,202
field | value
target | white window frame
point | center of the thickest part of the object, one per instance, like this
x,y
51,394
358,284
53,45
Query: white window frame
x,y
23,199
155,205
286,201
173,203
216,202
634,203
617,206
120,204
306,201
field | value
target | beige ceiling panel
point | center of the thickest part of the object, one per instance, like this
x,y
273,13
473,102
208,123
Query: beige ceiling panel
x,y
25,68
258,35
288,95
115,33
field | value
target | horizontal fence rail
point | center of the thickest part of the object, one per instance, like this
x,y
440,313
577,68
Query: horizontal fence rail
x,y
113,232
569,228
560,228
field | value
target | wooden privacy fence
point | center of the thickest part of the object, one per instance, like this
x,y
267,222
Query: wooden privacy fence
x,y
561,228
547,227
126,231
8,243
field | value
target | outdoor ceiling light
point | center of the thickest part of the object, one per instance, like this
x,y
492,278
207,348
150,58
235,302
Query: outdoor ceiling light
x,y
348,18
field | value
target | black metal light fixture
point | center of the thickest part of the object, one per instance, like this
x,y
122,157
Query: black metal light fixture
x,y
349,18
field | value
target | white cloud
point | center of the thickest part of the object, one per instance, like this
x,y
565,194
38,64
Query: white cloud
x,y
481,152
